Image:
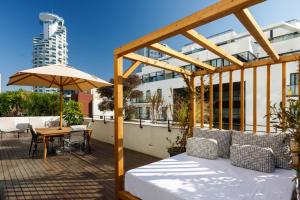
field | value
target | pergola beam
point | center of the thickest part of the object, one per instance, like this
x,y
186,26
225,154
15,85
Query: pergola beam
x,y
180,56
131,68
256,63
251,25
211,13
204,42
157,63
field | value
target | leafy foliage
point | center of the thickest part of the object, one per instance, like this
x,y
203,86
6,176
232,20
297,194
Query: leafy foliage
x,y
72,113
23,103
129,85
287,119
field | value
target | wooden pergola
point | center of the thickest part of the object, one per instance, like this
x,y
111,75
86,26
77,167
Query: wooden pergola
x,y
186,27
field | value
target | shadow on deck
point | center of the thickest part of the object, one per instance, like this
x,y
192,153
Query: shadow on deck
x,y
88,176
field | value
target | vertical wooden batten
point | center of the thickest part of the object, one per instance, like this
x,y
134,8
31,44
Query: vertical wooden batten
x,y
268,99
283,84
242,93
118,108
211,101
230,101
193,104
202,102
299,79
254,99
220,100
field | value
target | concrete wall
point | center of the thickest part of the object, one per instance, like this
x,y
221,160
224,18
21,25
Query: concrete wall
x,y
151,139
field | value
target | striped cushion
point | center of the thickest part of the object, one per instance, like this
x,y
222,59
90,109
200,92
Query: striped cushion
x,y
279,143
252,157
202,148
223,138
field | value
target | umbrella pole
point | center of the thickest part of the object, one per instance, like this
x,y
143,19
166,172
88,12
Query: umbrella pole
x,y
61,107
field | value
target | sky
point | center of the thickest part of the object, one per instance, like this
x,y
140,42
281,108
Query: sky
x,y
96,27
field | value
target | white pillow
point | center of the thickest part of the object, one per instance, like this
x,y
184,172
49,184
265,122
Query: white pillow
x,y
202,148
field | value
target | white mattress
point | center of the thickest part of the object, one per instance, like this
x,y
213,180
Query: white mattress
x,y
186,177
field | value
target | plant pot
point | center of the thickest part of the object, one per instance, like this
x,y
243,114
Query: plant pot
x,y
173,151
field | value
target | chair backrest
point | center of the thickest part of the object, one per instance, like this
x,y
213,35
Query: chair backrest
x,y
77,136
33,132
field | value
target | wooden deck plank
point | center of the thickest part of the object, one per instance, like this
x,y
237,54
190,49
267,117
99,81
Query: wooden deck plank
x,y
76,176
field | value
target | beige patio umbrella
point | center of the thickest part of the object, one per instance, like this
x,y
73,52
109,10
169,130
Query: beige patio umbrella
x,y
57,76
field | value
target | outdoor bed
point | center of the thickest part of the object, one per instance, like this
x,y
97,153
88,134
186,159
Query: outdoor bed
x,y
186,177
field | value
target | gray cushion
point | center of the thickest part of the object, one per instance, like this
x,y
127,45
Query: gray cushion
x,y
252,157
202,148
223,138
279,143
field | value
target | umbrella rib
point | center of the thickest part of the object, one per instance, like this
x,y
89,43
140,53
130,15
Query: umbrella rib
x,y
17,75
26,76
92,84
77,84
38,76
65,81
52,81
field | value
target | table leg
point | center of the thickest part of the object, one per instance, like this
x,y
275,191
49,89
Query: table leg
x,y
45,147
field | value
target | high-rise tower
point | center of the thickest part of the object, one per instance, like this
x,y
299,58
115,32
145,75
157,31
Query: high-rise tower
x,y
50,47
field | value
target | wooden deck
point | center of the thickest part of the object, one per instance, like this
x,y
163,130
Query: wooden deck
x,y
88,176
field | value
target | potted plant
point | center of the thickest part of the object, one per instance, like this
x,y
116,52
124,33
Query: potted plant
x,y
181,115
287,119
72,113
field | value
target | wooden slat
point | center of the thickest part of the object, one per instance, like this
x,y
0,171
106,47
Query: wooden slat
x,y
193,104
211,101
230,101
180,56
202,101
251,25
220,100
118,111
256,63
156,63
242,108
283,84
204,42
254,99
131,69
268,99
299,79
211,13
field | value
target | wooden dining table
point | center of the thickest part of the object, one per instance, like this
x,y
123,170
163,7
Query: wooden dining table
x,y
47,133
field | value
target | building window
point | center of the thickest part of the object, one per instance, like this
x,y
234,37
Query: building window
x,y
293,87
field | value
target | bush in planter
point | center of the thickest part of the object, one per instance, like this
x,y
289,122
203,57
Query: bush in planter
x,y
287,119
72,113
181,114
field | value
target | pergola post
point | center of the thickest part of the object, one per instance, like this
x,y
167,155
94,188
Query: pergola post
x,y
268,99
202,102
192,104
242,93
254,99
118,112
230,101
211,101
220,101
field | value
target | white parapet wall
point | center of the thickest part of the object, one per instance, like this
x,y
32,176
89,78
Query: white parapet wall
x,y
151,139
21,123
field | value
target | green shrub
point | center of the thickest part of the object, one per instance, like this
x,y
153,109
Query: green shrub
x,y
72,113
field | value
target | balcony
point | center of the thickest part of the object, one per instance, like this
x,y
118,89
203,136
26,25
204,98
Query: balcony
x,y
292,90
